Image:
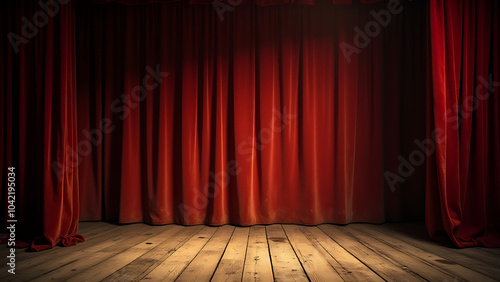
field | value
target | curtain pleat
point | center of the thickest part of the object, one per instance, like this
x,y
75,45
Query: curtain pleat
x,y
169,112
462,178
39,113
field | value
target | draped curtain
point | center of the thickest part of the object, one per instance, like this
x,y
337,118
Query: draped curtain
x,y
168,112
259,118
463,177
39,129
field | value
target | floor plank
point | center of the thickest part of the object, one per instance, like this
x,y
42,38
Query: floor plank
x,y
257,262
144,264
386,268
90,259
286,266
457,271
409,262
203,266
451,255
231,265
170,268
114,263
315,265
495,251
355,252
61,259
102,232
349,267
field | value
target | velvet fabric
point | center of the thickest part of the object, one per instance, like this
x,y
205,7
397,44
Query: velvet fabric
x,y
267,112
463,176
259,118
39,123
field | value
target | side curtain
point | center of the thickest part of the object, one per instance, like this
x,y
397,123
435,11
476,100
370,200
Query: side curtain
x,y
39,126
463,177
268,114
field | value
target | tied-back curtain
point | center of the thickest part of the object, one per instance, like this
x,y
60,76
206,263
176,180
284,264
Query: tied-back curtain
x,y
463,177
39,128
259,118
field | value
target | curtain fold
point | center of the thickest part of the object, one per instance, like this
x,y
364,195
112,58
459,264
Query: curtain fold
x,y
259,118
463,183
39,122
173,113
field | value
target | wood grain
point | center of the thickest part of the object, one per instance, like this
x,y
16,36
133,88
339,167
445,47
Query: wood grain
x,y
355,252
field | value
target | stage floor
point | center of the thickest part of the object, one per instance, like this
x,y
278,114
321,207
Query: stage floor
x,y
356,252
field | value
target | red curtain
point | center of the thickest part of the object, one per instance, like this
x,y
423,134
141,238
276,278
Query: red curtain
x,y
170,112
235,3
463,180
39,128
258,118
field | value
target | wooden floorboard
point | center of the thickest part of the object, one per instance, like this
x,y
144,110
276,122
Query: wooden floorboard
x,y
457,271
286,266
90,261
407,261
315,265
385,267
97,232
173,266
495,251
112,264
346,265
144,264
355,252
257,261
51,260
231,265
407,233
203,266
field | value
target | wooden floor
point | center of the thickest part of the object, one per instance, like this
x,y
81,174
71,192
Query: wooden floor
x,y
356,252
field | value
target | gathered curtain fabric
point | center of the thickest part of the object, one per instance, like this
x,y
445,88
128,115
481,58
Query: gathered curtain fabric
x,y
39,124
259,118
234,3
463,176
167,112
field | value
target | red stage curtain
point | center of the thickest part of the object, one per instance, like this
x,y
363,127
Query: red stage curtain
x,y
463,177
313,134
235,3
38,98
268,88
